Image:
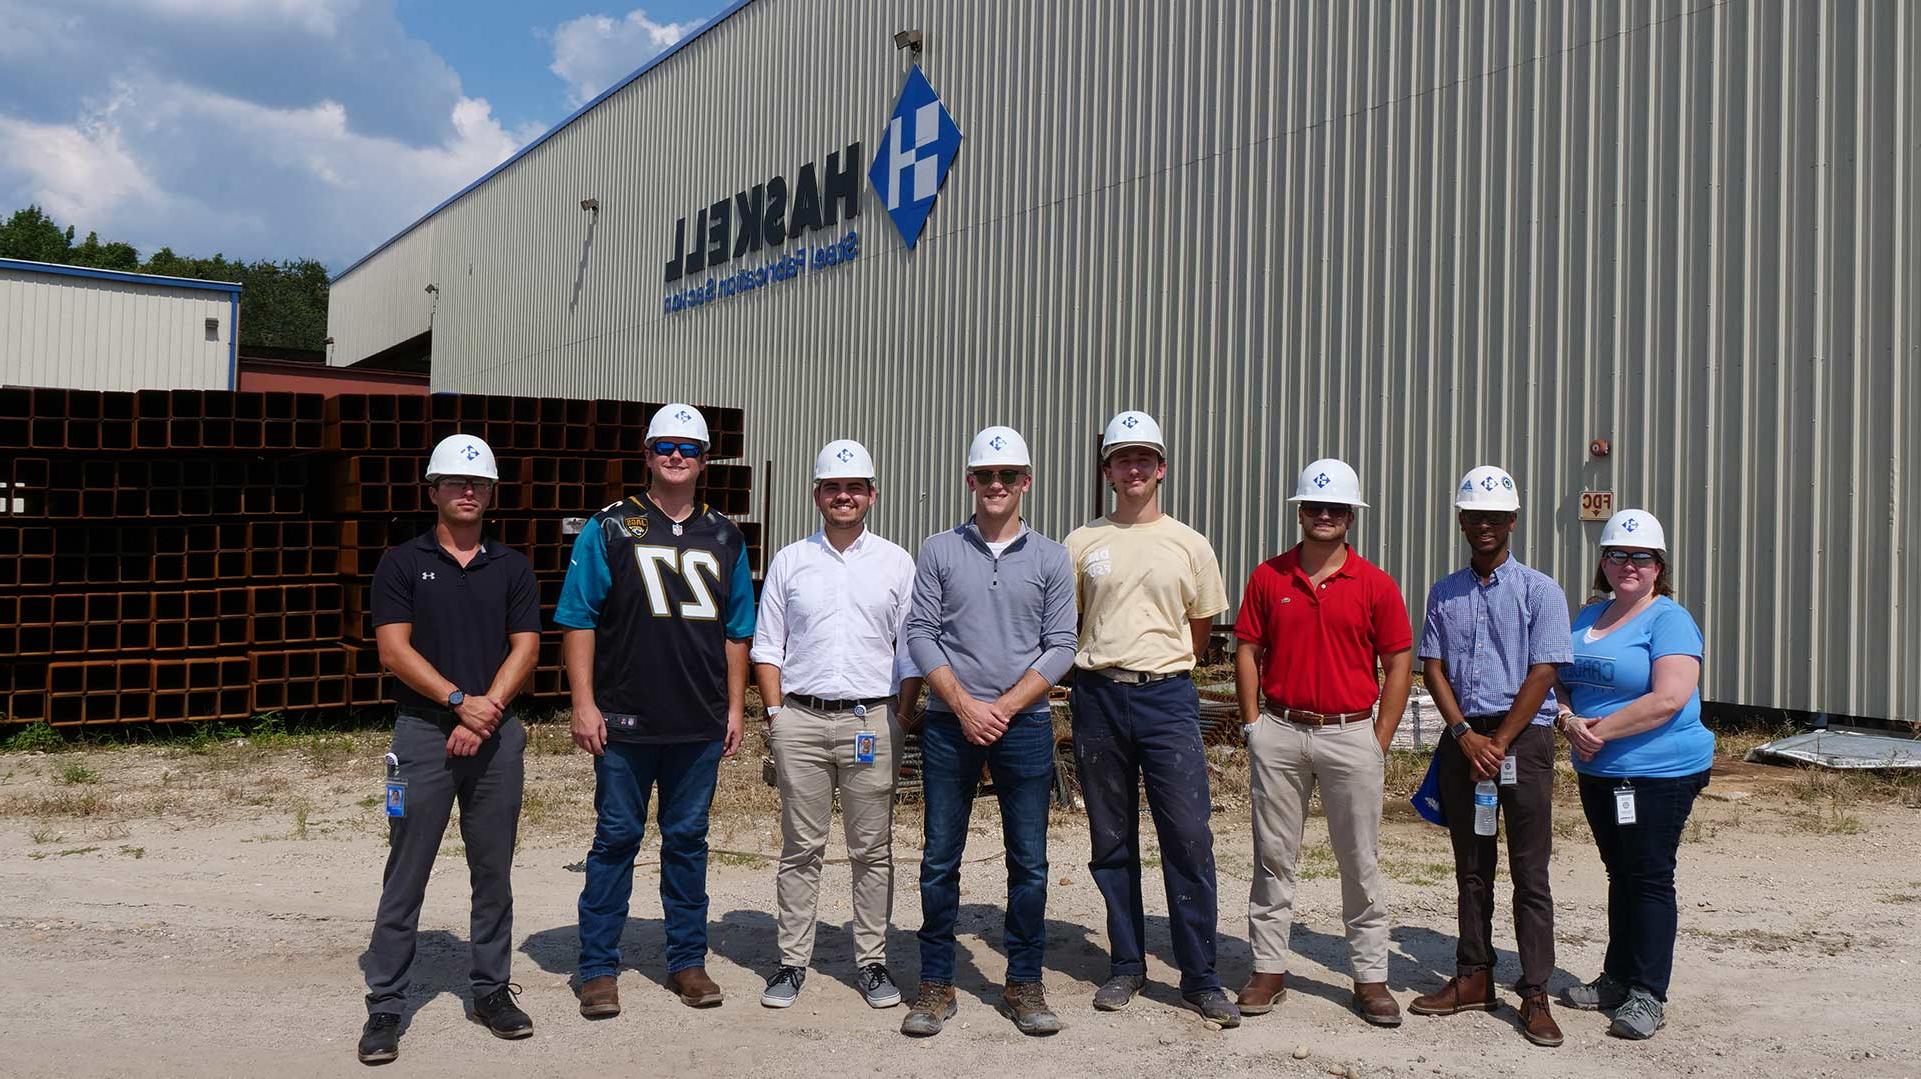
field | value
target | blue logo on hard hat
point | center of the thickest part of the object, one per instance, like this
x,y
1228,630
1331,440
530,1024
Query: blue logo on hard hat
x,y
1131,422
997,442
1507,483
1630,524
845,455
1487,483
1322,480
472,451
1468,486
682,416
916,150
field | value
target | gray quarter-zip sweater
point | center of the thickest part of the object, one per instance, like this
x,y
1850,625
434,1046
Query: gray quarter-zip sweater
x,y
992,619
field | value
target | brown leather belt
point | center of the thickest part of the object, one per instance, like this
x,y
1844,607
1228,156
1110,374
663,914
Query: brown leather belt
x,y
1314,719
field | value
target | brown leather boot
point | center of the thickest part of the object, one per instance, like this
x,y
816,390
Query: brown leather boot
x,y
696,989
1537,1022
1261,993
1376,1005
600,997
1462,993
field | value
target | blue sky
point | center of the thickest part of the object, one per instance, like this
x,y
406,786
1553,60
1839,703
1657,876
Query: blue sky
x,y
291,128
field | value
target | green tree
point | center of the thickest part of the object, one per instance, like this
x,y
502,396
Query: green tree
x,y
31,234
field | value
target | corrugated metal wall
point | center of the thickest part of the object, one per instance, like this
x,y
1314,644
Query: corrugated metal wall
x,y
91,334
1420,236
384,301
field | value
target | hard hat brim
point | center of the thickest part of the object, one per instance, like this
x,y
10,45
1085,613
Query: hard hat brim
x,y
1318,498
1109,451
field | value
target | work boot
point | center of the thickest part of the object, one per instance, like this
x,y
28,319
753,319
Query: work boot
x,y
1214,1007
1462,993
502,1016
696,989
1115,993
380,1038
933,1006
1603,994
1639,1017
1376,1005
1261,993
1537,1022
1026,1004
600,997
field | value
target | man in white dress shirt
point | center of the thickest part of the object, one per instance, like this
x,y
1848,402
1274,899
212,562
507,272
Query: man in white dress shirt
x,y
826,662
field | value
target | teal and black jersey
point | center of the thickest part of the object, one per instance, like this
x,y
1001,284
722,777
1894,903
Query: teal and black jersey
x,y
663,599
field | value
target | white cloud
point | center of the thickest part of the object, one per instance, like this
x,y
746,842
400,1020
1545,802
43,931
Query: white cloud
x,y
593,52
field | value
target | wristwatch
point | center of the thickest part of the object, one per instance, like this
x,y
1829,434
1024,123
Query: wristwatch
x,y
454,699
1459,729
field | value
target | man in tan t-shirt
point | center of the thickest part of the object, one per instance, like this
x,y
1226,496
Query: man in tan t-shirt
x,y
1148,587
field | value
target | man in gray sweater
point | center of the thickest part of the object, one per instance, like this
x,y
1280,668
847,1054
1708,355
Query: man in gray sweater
x,y
993,626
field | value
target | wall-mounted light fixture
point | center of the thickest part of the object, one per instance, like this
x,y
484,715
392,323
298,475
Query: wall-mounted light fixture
x,y
910,41
435,289
591,205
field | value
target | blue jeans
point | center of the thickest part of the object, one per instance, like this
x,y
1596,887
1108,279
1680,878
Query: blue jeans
x,y
1022,766
1640,858
685,773
1122,733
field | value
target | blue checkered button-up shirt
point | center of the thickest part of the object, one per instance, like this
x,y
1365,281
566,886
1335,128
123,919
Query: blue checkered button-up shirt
x,y
1489,634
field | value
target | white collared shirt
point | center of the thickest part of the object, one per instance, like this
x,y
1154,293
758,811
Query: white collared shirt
x,y
831,620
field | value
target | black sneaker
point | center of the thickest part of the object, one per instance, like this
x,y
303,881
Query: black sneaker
x,y
876,988
783,987
502,1016
380,1038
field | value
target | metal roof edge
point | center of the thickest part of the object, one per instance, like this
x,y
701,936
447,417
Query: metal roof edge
x,y
657,59
29,266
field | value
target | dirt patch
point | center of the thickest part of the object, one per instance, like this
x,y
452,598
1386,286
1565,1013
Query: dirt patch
x,y
201,910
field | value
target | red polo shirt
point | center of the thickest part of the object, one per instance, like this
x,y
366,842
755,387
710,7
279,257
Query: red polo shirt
x,y
1320,645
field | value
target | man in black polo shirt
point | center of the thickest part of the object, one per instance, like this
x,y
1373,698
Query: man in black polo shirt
x,y
458,621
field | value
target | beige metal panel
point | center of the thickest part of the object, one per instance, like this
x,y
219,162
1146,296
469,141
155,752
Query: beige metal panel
x,y
91,333
384,300
1419,236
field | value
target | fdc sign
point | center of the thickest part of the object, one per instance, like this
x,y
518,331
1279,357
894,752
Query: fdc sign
x,y
917,148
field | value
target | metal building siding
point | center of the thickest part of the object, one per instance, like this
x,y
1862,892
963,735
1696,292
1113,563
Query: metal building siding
x,y
94,334
1419,236
384,301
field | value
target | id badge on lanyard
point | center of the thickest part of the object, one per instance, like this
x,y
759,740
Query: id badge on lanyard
x,y
865,742
396,788
1510,771
1624,805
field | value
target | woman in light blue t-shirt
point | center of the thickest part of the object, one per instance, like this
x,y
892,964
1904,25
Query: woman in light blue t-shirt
x,y
1634,720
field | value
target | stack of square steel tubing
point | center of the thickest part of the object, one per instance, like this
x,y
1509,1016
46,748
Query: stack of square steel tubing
x,y
176,555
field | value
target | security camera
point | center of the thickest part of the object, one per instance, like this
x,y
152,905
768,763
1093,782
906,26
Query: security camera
x,y
909,40
592,205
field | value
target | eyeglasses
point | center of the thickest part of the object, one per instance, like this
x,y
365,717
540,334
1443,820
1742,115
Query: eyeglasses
x,y
666,448
1640,559
1483,518
454,486
1325,509
1008,476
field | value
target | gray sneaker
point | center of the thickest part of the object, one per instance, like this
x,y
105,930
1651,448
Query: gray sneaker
x,y
1214,1007
1115,993
1640,1017
783,987
1603,994
876,987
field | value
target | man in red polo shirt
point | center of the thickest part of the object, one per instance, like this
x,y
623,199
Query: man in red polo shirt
x,y
1313,623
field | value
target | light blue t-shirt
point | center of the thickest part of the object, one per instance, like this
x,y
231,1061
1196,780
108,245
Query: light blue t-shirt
x,y
1610,673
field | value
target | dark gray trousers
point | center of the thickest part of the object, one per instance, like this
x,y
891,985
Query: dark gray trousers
x,y
487,786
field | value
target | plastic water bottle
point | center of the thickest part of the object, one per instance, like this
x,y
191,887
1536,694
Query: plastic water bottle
x,y
1487,803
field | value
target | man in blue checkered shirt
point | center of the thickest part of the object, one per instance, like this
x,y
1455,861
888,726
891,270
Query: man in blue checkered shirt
x,y
1493,634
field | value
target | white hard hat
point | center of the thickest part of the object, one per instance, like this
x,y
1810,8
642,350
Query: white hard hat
x,y
1132,428
843,459
998,446
1634,528
462,455
1486,487
1329,480
679,421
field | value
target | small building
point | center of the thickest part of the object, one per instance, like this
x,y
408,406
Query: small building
x,y
80,328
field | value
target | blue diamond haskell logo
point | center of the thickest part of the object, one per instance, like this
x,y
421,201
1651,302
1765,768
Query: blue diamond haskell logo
x,y
997,442
472,451
845,454
1630,525
1130,423
1322,480
916,150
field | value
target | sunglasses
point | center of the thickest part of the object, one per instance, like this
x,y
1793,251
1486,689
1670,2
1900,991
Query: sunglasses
x,y
1325,509
1640,559
667,448
455,486
1483,518
1008,476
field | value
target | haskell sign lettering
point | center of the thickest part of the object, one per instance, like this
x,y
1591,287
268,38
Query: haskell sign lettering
x,y
768,214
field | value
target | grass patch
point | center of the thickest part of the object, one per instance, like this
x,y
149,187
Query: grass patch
x,y
1698,831
45,835
75,850
64,804
1826,820
741,859
74,773
35,737
1899,897
1418,873
1316,863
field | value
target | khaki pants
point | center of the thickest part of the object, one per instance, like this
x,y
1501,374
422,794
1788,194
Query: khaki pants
x,y
814,757
1284,761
